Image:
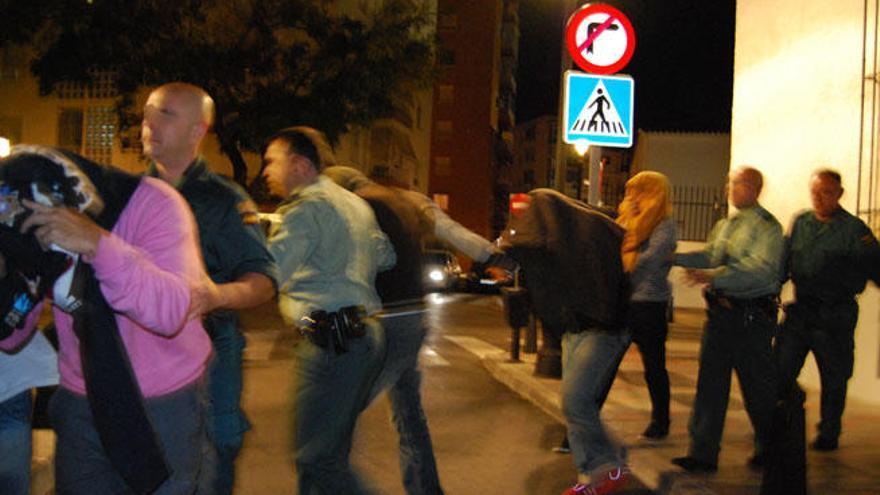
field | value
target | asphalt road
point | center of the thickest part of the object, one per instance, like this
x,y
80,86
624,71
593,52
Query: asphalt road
x,y
487,440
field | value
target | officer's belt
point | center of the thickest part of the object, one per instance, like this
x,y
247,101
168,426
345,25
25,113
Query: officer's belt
x,y
717,298
814,300
334,329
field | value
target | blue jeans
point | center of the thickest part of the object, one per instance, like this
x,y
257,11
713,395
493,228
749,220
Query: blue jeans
x,y
330,390
589,363
227,422
81,466
401,376
15,444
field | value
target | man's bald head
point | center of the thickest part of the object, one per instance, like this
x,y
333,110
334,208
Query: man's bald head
x,y
177,116
745,186
196,99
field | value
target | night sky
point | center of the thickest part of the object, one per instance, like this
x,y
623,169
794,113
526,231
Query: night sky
x,y
682,66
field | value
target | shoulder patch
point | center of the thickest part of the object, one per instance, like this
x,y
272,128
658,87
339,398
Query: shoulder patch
x,y
248,211
868,239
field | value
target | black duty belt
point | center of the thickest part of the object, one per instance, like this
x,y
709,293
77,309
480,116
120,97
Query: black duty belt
x,y
715,298
336,328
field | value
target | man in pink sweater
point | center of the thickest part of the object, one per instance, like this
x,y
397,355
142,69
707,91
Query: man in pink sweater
x,y
136,238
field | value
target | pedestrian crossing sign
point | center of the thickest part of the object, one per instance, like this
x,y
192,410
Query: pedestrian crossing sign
x,y
598,109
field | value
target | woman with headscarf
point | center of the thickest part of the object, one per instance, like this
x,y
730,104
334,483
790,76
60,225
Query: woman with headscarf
x,y
647,251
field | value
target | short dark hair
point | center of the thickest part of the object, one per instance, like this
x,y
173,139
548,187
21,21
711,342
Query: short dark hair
x,y
305,141
829,173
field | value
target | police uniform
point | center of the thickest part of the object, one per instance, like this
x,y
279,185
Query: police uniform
x,y
232,244
829,263
745,254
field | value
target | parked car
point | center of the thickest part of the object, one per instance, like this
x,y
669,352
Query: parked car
x,y
442,270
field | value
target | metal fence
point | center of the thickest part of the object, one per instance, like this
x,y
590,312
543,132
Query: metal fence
x,y
694,208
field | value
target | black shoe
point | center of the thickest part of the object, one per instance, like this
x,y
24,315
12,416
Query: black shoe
x,y
756,461
656,430
824,444
694,465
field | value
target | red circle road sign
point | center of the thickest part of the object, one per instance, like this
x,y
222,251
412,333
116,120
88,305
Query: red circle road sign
x,y
600,38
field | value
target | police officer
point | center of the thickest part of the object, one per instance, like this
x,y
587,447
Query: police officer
x,y
740,268
329,248
830,256
177,116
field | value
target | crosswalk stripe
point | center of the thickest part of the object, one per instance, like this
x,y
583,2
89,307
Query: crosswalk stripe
x,y
429,357
475,346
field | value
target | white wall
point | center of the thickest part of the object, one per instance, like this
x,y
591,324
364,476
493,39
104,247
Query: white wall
x,y
691,158
797,106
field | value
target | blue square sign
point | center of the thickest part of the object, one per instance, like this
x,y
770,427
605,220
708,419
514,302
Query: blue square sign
x,y
598,109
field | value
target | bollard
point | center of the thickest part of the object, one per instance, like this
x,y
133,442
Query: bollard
x,y
531,346
516,307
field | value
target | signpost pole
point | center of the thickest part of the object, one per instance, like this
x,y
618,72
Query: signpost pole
x,y
595,181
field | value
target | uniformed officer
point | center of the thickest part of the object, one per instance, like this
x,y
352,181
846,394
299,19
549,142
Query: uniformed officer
x,y
177,116
740,268
830,256
329,248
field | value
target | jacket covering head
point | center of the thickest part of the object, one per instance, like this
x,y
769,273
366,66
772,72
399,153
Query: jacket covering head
x,y
644,206
570,254
46,176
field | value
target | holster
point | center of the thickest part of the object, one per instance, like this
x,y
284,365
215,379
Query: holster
x,y
334,328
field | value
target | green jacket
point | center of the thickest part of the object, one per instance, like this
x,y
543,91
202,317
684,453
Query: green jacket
x,y
831,261
230,235
745,252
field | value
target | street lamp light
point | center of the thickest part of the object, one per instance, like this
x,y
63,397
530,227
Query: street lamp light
x,y
581,146
5,147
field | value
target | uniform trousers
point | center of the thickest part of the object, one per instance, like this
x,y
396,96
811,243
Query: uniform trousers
x,y
736,338
826,330
330,390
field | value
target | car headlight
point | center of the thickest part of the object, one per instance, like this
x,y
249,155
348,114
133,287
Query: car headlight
x,y
436,275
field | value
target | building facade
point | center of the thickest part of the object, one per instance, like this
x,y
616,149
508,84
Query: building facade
x,y
473,119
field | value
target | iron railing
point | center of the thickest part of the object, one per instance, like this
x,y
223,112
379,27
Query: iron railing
x,y
694,208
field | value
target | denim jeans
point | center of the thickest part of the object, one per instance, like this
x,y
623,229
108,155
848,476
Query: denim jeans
x,y
330,390
227,423
401,376
15,444
81,466
589,364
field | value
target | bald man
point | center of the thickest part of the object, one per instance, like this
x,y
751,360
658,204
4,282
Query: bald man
x,y
177,117
831,254
740,270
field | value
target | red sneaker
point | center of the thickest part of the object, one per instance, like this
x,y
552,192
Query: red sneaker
x,y
609,482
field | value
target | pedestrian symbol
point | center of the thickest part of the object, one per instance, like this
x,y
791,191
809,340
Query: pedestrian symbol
x,y
598,109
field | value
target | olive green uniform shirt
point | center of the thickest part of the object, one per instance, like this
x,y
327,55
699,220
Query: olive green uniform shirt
x,y
831,262
745,251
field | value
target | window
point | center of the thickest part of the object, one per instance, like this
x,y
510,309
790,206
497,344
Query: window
x,y
70,126
446,56
444,130
447,21
88,131
442,200
100,127
446,94
442,166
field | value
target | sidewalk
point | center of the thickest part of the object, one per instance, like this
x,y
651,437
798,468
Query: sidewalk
x,y
853,469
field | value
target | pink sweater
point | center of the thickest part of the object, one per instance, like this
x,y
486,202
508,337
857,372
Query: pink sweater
x,y
144,268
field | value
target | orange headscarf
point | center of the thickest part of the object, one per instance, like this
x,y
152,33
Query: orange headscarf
x,y
644,206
